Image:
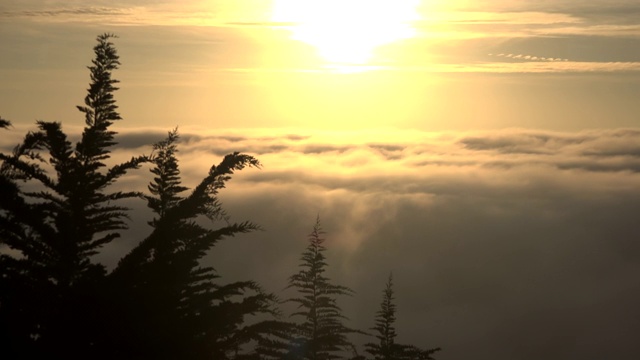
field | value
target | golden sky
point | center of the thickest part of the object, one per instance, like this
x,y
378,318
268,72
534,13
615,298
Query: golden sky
x,y
428,65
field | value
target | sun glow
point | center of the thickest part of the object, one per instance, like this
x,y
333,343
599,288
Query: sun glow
x,y
347,31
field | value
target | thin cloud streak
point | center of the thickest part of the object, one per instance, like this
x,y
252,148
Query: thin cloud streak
x,y
556,65
534,67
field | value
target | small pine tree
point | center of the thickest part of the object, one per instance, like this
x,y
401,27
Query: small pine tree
x,y
4,123
321,334
387,348
386,332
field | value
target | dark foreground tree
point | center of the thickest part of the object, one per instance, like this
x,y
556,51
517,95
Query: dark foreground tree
x,y
61,217
386,348
174,307
321,333
56,212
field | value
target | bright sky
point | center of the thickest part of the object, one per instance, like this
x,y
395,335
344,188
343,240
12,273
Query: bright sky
x,y
348,64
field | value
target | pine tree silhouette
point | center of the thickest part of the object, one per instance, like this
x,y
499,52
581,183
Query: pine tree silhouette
x,y
51,286
160,301
176,308
321,333
387,348
4,123
386,332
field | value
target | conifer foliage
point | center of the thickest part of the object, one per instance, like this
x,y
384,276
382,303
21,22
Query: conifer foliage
x,y
4,123
161,301
321,333
385,331
57,227
56,211
166,183
175,307
387,348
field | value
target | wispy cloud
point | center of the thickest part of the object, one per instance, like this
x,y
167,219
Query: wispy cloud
x,y
108,15
500,17
556,66
517,65
84,11
168,13
521,57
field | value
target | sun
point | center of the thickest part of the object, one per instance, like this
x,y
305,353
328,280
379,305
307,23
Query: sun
x,y
347,31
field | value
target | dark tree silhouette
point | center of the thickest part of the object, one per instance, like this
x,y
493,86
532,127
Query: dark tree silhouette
x,y
387,348
175,307
321,333
159,302
59,220
4,123
385,331
166,183
57,210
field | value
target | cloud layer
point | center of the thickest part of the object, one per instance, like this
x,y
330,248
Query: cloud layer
x,y
518,244
514,243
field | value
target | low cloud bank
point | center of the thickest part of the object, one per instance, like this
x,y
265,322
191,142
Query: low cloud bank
x,y
510,244
516,244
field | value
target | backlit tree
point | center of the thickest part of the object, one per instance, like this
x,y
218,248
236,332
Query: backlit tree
x,y
321,333
387,348
58,213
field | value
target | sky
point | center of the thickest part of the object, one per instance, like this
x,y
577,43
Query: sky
x,y
485,152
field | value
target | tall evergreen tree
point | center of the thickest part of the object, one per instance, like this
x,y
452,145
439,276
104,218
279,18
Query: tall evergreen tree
x,y
160,301
321,333
387,348
50,287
